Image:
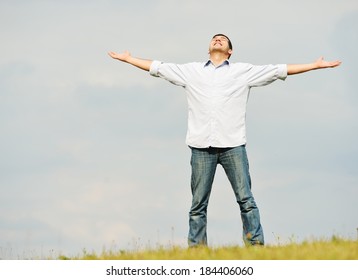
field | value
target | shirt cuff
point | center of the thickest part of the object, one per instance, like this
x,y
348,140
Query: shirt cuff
x,y
154,68
282,71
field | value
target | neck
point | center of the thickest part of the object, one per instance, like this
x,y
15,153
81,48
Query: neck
x,y
218,58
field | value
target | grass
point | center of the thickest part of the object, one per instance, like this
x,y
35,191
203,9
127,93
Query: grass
x,y
334,249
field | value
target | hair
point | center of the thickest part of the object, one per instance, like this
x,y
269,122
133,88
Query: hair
x,y
228,39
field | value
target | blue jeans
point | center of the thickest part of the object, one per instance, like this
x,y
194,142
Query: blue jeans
x,y
236,166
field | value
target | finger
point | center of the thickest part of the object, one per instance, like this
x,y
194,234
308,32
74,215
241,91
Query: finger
x,y
112,54
337,63
334,63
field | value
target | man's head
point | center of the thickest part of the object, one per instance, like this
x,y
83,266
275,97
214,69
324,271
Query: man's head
x,y
222,43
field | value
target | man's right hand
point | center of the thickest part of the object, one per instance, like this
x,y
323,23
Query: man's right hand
x,y
120,56
143,64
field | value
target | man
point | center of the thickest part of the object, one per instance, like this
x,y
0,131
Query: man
x,y
217,93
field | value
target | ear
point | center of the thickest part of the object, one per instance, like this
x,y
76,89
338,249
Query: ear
x,y
230,51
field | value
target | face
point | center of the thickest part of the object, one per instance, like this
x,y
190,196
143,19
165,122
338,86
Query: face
x,y
220,43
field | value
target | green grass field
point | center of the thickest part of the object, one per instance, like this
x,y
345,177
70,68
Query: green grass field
x,y
334,249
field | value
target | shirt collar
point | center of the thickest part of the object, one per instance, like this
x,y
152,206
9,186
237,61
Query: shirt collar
x,y
226,62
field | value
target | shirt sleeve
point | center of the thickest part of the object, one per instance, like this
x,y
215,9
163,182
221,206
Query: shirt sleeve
x,y
266,74
154,68
171,72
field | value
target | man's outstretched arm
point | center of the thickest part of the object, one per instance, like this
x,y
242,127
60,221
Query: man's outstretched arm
x,y
318,64
143,64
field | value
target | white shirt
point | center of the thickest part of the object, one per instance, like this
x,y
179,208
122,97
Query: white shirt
x,y
217,97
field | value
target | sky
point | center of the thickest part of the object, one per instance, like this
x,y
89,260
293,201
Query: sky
x,y
92,150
